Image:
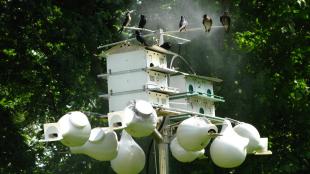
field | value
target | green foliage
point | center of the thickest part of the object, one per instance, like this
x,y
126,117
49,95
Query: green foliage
x,y
49,65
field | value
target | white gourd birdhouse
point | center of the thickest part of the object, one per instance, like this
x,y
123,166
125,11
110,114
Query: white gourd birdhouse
x,y
143,118
230,149
102,145
72,129
182,155
257,145
130,158
248,131
193,133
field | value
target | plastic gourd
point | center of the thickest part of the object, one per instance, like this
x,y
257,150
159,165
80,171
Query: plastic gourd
x,y
143,118
183,155
74,128
228,150
248,131
130,158
193,133
102,145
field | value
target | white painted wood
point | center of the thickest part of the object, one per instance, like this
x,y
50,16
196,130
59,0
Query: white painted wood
x,y
135,59
119,102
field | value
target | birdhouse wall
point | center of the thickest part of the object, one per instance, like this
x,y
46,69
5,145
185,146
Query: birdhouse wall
x,y
201,106
156,79
133,60
136,80
194,105
126,61
179,82
180,104
191,84
127,82
119,102
200,85
155,59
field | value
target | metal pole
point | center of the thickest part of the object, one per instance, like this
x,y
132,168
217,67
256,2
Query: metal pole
x,y
163,149
160,36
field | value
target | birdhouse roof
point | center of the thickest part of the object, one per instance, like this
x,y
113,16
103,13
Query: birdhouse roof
x,y
128,46
213,79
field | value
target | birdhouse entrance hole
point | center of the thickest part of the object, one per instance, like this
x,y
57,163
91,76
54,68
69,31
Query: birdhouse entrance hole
x,y
190,88
209,93
201,111
117,124
53,135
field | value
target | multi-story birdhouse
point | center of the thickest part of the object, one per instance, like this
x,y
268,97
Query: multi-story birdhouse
x,y
135,72
127,57
196,93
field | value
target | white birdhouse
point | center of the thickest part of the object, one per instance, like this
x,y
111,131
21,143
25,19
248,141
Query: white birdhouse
x,y
130,158
138,118
196,93
135,72
257,145
119,102
183,155
193,133
126,57
138,81
72,129
102,145
230,149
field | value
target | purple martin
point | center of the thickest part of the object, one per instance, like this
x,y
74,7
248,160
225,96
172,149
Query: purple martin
x,y
183,24
140,38
207,22
126,21
225,20
142,21
166,45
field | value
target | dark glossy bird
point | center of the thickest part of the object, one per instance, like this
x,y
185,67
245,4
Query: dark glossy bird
x,y
207,22
126,21
166,45
140,38
142,21
225,20
183,24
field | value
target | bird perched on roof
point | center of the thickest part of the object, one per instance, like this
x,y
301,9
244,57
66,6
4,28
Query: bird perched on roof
x,y
126,21
166,45
207,22
142,21
225,20
183,24
140,38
